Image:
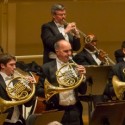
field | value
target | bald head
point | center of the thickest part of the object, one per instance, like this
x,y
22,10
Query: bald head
x,y
63,50
61,43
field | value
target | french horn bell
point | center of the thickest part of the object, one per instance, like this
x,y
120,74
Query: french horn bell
x,y
119,87
19,93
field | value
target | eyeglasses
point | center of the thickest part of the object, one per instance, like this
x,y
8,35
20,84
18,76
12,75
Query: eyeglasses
x,y
61,14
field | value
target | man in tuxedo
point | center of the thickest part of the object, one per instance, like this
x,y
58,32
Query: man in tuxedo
x,y
7,68
56,30
67,100
120,53
89,55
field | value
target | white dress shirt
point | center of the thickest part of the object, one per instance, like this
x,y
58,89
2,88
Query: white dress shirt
x,y
67,97
97,60
61,30
52,55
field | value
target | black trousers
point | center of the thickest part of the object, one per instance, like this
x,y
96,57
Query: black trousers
x,y
72,114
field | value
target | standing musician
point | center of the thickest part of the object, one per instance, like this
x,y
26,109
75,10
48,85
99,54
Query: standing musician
x,y
67,100
7,68
57,30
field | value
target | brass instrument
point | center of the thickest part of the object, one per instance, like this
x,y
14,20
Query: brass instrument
x,y
88,39
67,80
119,87
19,93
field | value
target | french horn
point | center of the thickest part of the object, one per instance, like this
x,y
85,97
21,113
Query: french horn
x,y
20,93
119,87
67,80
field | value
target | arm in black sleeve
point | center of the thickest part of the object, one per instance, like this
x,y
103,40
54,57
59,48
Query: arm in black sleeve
x,y
83,87
49,37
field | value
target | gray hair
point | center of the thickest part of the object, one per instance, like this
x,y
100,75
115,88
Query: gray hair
x,y
57,7
56,45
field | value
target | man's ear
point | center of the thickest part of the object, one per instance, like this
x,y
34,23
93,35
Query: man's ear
x,y
2,66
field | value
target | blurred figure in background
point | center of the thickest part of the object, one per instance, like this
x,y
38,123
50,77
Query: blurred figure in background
x,y
120,53
89,55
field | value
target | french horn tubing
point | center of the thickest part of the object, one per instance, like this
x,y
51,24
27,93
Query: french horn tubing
x,y
67,80
88,39
20,92
119,87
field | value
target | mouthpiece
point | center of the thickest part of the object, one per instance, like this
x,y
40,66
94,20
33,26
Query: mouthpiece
x,y
71,60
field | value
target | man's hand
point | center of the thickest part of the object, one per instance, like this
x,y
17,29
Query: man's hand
x,y
81,69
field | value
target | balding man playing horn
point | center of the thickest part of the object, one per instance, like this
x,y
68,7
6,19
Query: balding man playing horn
x,y
66,100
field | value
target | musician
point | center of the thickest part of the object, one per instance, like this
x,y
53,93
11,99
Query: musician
x,y
7,67
67,100
117,70
89,55
56,30
120,53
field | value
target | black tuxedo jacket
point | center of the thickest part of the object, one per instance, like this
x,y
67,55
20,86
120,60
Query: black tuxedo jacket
x,y
50,34
84,58
116,70
49,73
119,55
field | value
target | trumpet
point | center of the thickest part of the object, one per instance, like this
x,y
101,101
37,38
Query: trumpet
x,y
89,39
74,32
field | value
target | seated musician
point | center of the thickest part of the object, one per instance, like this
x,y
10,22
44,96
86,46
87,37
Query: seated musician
x,y
7,69
120,53
66,100
119,71
116,70
115,88
89,55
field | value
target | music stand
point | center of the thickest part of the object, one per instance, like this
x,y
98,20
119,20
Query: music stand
x,y
97,80
110,113
99,76
45,118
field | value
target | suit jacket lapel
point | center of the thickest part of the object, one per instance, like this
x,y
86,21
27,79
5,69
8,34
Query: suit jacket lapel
x,y
2,82
54,28
89,56
56,31
52,73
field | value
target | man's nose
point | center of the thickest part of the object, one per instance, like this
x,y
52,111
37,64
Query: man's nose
x,y
14,67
